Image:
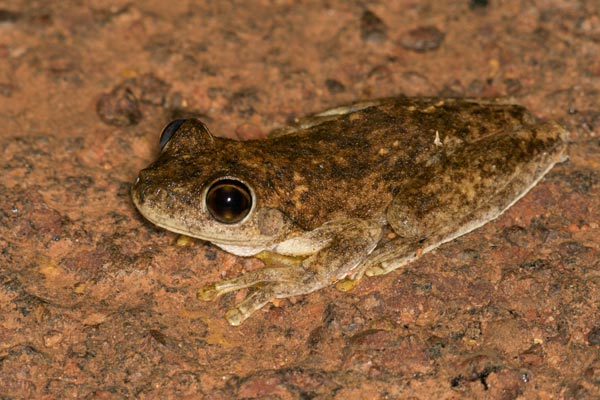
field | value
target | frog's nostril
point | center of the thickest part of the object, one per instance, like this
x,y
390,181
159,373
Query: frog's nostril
x,y
143,178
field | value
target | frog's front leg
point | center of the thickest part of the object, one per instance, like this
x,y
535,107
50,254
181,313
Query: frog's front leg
x,y
343,245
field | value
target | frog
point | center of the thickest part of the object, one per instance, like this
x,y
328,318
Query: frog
x,y
359,190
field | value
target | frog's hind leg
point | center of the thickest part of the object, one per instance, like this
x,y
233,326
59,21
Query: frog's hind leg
x,y
420,236
399,252
427,216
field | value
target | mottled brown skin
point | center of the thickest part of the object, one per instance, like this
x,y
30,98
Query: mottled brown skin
x,y
324,189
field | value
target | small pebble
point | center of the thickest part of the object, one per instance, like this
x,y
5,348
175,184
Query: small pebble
x,y
422,39
594,336
372,28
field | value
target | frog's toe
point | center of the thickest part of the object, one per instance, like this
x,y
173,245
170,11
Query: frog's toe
x,y
376,270
249,306
207,293
235,317
346,284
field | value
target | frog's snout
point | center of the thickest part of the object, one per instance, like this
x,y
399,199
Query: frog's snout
x,y
140,189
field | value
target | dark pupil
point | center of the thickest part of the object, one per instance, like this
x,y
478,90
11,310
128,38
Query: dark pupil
x,y
228,201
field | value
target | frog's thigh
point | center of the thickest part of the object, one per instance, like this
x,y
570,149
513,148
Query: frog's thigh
x,y
414,216
441,224
415,230
438,227
397,252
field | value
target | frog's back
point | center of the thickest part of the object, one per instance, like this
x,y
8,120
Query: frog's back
x,y
351,161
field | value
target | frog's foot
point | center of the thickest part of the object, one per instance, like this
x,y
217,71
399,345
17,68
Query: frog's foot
x,y
376,270
269,284
207,293
282,274
351,281
387,267
267,292
346,284
390,257
248,306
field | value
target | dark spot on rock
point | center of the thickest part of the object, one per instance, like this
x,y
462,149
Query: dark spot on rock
x,y
456,381
158,336
343,316
562,331
593,336
120,107
7,16
210,255
483,375
435,347
536,265
582,181
334,86
570,248
514,234
475,4
372,28
422,39
473,330
474,376
469,255
316,336
243,102
513,86
152,89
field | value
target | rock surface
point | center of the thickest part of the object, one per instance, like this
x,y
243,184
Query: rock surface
x,y
98,303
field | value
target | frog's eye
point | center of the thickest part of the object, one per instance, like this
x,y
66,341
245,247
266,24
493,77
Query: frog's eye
x,y
228,201
168,132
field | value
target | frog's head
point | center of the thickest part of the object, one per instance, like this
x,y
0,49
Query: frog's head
x,y
198,187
